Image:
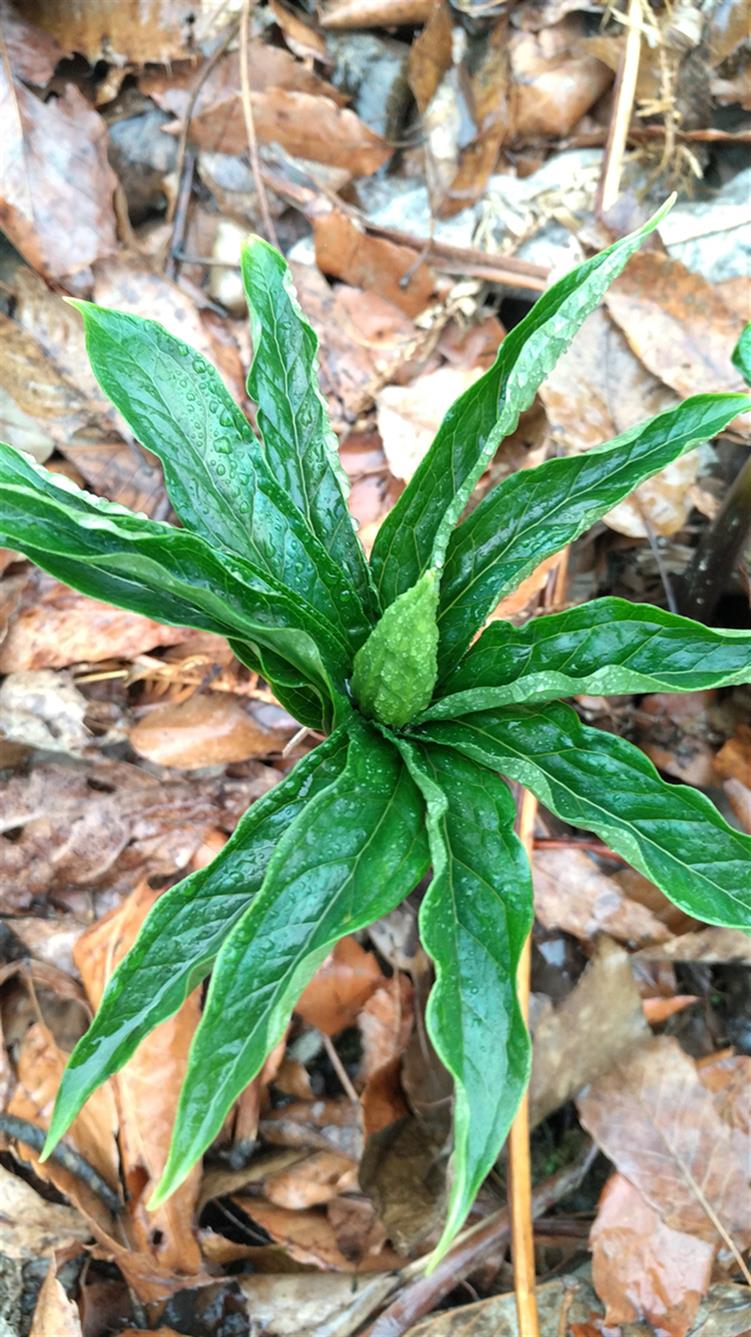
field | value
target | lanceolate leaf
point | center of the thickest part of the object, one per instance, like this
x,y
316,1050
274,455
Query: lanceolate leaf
x,y
297,439
353,854
414,535
595,780
305,701
152,568
604,648
183,933
537,511
474,921
217,477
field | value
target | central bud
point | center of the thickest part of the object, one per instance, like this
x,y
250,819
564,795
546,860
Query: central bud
x,y
395,670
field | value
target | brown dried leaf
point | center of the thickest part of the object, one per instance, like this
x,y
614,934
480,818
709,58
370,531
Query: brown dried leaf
x,y
53,626
54,1314
656,1121
739,798
305,125
349,252
32,1226
604,1006
209,729
309,1237
158,30
385,1023
376,13
323,1125
403,1172
733,761
32,53
301,39
66,220
711,945
555,79
676,324
311,1181
340,987
573,893
146,1091
642,1268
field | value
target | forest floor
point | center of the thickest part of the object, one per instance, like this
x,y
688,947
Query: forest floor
x,y
426,168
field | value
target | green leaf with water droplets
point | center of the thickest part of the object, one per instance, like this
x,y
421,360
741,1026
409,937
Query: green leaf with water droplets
x,y
395,670
183,932
535,512
218,480
598,781
165,573
606,647
354,852
474,920
296,435
414,535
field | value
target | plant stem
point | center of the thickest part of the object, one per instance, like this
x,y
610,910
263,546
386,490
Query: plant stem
x,y
719,550
519,1160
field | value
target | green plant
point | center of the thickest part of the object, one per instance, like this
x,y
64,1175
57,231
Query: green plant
x,y
421,721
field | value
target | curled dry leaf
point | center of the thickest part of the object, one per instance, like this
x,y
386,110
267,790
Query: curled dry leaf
x,y
324,1125
146,1092
555,79
333,998
54,1314
32,1226
714,946
604,1006
209,729
64,221
573,893
385,1023
642,1268
308,1237
658,1123
733,761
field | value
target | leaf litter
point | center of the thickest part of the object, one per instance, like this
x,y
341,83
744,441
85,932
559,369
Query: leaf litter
x,y
129,749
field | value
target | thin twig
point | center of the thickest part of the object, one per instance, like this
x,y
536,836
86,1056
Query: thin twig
x,y
623,105
423,1293
250,128
21,1130
182,145
519,1159
654,544
340,1069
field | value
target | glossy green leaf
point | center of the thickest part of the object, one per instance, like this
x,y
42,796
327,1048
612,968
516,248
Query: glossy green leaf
x,y
297,439
598,781
414,535
217,477
395,670
306,702
537,511
183,932
474,920
354,853
603,648
742,354
168,574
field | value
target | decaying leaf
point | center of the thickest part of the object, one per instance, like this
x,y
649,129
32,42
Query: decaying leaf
x,y
642,1267
410,415
394,272
606,1008
55,1315
311,1181
66,221
32,1226
573,893
660,1126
